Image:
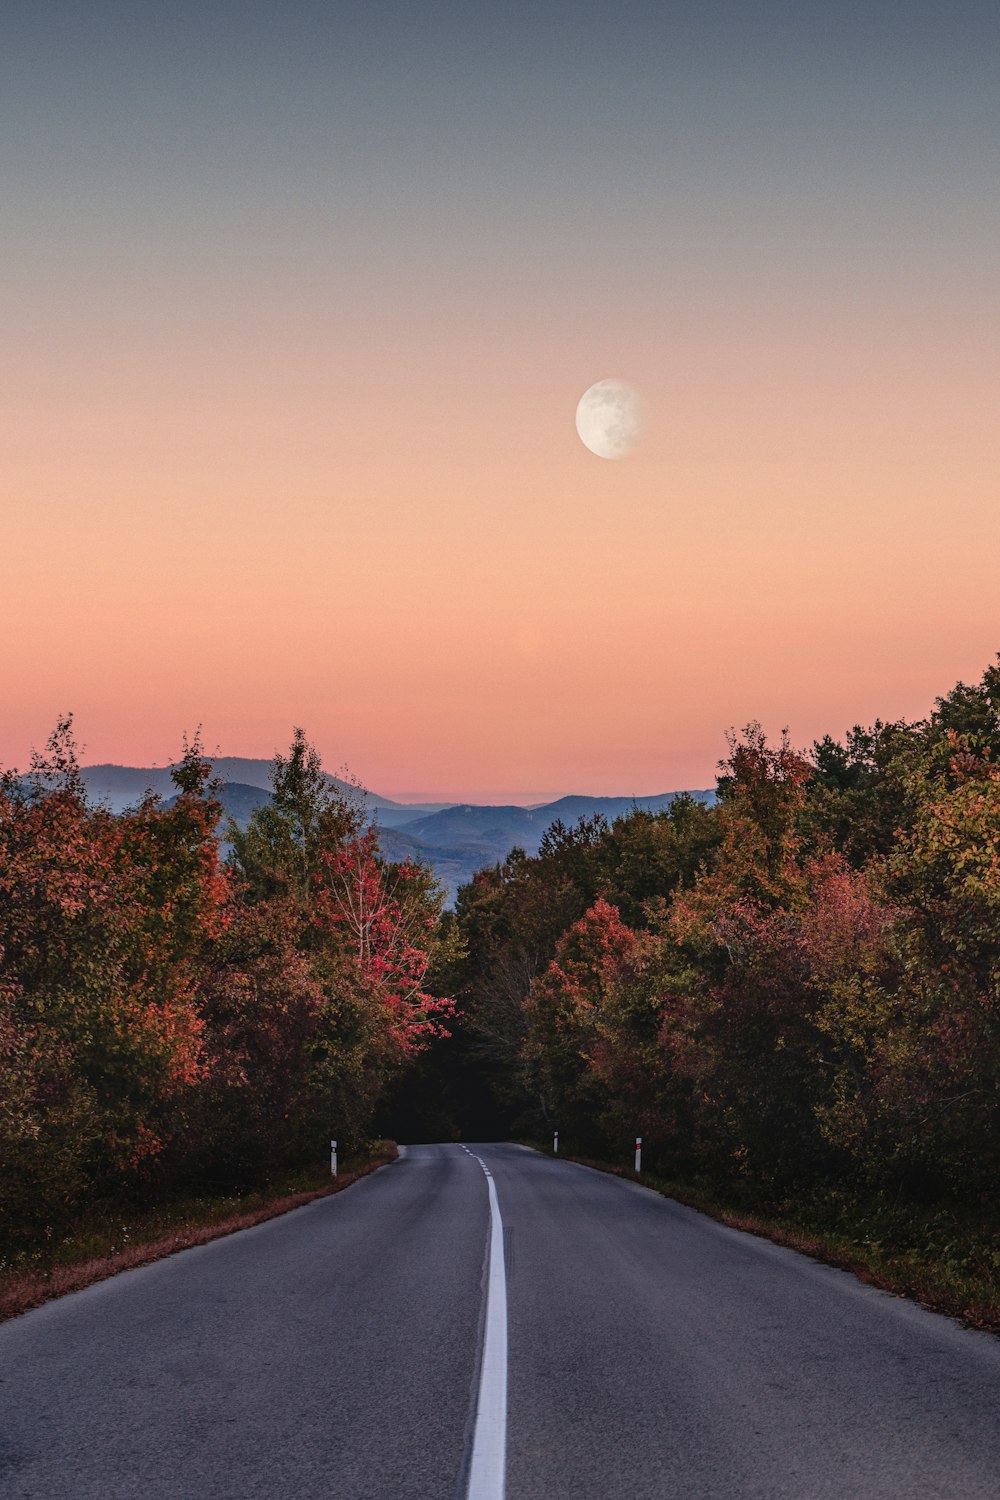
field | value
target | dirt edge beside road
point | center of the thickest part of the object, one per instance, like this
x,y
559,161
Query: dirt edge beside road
x,y
28,1289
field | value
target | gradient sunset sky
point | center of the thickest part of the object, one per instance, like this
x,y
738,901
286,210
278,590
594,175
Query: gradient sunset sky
x,y
297,304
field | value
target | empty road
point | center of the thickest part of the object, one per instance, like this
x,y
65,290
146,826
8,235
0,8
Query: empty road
x,y
633,1348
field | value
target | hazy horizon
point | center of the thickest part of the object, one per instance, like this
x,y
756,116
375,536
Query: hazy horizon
x,y
418,797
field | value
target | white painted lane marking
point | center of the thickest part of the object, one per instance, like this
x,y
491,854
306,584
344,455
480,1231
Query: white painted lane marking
x,y
488,1468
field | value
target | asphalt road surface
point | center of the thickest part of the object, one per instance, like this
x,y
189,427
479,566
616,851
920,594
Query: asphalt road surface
x,y
645,1351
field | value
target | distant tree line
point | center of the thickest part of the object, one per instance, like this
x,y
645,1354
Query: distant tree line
x,y
173,1020
796,987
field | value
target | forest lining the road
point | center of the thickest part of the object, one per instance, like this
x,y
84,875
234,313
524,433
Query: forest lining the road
x,y
792,995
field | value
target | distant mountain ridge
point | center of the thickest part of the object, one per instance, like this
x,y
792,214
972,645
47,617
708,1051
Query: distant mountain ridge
x,y
459,840
477,823
454,839
119,786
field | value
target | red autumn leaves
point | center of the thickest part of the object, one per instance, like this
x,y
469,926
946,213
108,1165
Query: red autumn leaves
x,y
168,1017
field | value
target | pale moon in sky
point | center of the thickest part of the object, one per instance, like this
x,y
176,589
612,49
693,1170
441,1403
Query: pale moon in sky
x,y
609,418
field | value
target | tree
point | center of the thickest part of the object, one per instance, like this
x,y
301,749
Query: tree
x,y
366,930
100,1021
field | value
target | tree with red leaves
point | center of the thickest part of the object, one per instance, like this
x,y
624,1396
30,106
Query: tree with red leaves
x,y
366,931
99,1012
168,1019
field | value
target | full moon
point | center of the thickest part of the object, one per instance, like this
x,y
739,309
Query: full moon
x,y
609,418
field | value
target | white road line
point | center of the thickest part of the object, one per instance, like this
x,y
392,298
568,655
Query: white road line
x,y
488,1469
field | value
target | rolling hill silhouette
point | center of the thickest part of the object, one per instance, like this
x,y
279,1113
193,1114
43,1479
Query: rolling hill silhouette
x,y
454,839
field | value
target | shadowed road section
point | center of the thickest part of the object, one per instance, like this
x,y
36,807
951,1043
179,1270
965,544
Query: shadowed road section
x,y
651,1353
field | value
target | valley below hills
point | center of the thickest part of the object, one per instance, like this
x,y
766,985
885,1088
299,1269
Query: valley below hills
x,y
452,839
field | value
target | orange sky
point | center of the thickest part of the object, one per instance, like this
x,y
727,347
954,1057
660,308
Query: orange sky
x,y
255,475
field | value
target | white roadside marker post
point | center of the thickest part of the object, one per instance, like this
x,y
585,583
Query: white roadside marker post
x,y
555,1144
638,1153
333,1158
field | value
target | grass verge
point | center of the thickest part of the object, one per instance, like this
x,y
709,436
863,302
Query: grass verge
x,y
944,1257
105,1244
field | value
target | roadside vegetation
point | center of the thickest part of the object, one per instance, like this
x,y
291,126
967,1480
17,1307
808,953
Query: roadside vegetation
x,y
792,996
178,1028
